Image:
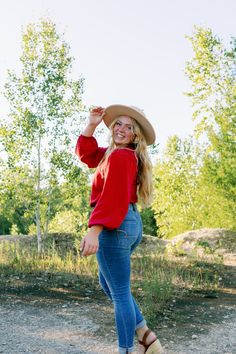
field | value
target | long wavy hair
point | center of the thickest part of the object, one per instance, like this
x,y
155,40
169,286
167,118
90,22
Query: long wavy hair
x,y
144,180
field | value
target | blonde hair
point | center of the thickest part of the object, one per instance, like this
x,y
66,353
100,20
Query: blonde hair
x,y
144,180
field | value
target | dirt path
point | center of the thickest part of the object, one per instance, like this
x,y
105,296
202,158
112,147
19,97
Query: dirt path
x,y
39,327
35,317
62,322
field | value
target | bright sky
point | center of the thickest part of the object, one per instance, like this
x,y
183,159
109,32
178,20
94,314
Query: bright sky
x,y
129,51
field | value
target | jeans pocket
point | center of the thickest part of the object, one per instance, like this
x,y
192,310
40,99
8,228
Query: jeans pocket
x,y
108,238
127,233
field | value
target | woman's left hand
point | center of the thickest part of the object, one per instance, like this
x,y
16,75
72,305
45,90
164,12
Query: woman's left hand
x,y
89,244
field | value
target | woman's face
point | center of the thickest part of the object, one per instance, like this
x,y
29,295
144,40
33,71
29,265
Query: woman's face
x,y
123,133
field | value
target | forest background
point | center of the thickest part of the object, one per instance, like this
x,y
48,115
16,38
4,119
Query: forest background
x,y
44,188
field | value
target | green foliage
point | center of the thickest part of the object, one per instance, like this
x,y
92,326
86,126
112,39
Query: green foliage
x,y
68,221
195,180
212,74
17,199
184,198
44,97
175,181
213,207
14,230
149,221
39,135
5,225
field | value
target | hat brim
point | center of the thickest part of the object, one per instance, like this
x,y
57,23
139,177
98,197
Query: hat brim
x,y
114,111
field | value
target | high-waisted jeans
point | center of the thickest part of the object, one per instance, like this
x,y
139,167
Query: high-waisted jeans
x,y
115,249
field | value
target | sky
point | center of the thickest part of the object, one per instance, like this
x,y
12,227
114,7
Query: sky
x,y
130,52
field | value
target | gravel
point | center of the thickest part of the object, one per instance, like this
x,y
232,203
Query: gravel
x,y
49,326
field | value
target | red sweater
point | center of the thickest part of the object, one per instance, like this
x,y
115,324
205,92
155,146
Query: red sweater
x,y
114,184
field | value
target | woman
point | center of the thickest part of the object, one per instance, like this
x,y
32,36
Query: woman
x,y
115,228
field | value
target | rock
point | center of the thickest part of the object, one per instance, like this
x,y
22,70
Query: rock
x,y
194,336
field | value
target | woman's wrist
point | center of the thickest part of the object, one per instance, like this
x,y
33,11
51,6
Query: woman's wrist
x,y
96,229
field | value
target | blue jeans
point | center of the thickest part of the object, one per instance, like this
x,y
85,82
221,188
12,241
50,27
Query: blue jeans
x,y
115,249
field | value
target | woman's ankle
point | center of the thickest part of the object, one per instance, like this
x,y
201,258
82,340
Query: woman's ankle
x,y
141,331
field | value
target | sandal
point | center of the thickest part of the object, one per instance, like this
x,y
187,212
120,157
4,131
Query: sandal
x,y
152,348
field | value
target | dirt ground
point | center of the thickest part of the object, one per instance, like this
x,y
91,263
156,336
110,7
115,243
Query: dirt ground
x,y
40,318
37,320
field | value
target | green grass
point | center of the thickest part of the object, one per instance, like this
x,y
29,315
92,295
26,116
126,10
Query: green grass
x,y
157,278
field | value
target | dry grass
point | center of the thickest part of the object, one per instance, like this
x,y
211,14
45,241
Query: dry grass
x,y
160,274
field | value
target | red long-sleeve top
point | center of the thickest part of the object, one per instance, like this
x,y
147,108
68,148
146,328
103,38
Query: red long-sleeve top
x,y
114,184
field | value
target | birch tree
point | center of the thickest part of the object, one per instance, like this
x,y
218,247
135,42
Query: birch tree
x,y
45,103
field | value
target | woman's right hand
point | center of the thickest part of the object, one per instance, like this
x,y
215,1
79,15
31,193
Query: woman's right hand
x,y
96,115
89,244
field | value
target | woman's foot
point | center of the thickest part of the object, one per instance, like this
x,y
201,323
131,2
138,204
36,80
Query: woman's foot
x,y
148,341
141,347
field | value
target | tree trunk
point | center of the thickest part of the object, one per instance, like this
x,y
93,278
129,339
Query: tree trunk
x,y
37,212
39,234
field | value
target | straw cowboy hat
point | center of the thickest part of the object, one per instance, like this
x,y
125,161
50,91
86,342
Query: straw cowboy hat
x,y
114,111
